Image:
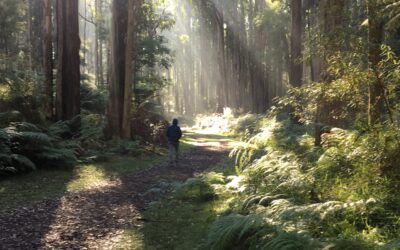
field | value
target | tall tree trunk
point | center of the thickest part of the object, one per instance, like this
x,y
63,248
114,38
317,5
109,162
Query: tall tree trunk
x,y
243,62
376,89
129,69
331,20
29,34
118,36
68,73
85,62
222,99
96,44
100,67
259,90
177,107
296,66
250,55
48,58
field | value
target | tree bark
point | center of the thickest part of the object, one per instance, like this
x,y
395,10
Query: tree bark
x,y
48,58
29,34
331,20
68,73
129,71
223,91
118,36
376,89
96,42
296,66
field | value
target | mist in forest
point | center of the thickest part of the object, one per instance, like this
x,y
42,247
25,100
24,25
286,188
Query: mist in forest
x,y
222,54
226,54
290,116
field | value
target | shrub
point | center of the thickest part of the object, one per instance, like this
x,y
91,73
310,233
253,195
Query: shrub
x,y
150,126
343,193
25,147
233,230
195,189
93,99
289,241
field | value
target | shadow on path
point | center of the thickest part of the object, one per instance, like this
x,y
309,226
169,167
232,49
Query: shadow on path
x,y
96,218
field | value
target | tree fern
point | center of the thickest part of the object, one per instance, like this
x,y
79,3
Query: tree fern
x,y
59,129
49,157
24,146
36,138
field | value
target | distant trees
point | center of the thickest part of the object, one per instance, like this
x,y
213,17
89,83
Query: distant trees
x,y
258,55
244,59
225,53
11,23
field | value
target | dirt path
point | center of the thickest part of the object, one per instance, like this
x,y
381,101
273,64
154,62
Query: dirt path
x,y
96,218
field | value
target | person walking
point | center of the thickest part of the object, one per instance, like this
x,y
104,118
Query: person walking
x,y
174,133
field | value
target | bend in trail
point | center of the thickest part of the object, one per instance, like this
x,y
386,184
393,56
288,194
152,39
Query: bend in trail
x,y
96,218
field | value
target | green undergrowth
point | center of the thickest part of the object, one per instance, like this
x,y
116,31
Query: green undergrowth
x,y
45,183
181,219
51,184
288,194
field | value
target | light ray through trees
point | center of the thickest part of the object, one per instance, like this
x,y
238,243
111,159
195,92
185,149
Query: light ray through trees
x,y
227,53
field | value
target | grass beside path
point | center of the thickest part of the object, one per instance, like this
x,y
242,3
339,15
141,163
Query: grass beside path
x,y
173,223
52,184
43,184
170,223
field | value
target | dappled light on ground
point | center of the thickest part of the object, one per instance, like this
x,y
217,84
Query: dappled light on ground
x,y
89,176
104,200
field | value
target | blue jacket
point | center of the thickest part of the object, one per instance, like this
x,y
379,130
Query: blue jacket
x,y
174,133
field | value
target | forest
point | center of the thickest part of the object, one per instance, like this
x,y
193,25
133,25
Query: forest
x,y
290,112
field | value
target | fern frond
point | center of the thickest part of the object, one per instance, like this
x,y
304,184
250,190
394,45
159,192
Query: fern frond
x,y
290,241
3,135
55,154
350,244
228,231
35,138
24,127
59,129
195,189
392,245
22,163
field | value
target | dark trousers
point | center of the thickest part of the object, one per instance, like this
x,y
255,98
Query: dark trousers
x,y
173,152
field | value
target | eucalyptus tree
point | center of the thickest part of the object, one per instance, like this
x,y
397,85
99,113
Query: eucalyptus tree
x,y
68,61
296,65
375,39
48,63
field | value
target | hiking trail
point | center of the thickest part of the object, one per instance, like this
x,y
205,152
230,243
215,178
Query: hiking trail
x,y
95,218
